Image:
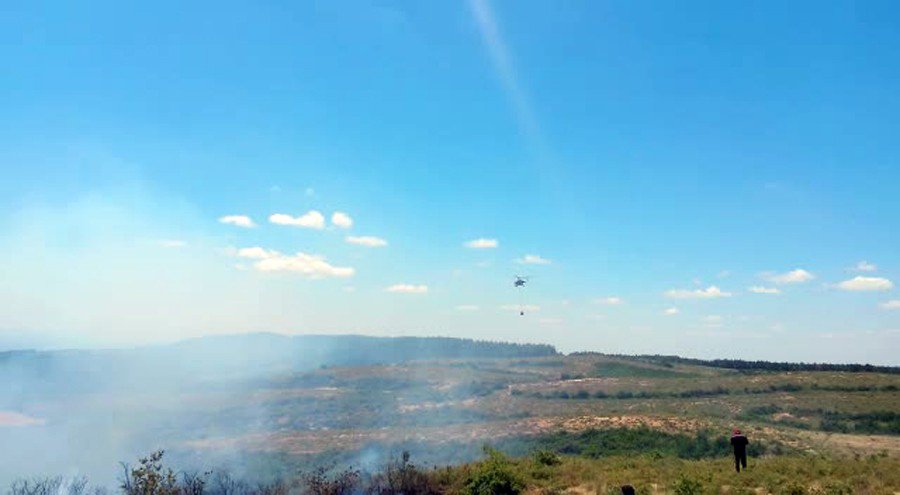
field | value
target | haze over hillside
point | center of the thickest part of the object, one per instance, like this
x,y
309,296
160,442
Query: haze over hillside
x,y
265,404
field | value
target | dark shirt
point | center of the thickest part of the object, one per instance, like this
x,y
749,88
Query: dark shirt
x,y
739,442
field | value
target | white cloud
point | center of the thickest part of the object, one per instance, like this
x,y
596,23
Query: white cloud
x,y
609,301
711,292
892,304
797,276
172,243
408,289
467,307
865,266
671,311
533,259
860,284
256,253
309,220
349,288
307,265
521,307
366,240
341,219
482,243
238,221
757,289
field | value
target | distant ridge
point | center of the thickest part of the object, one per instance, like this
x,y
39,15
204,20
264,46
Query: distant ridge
x,y
237,356
744,365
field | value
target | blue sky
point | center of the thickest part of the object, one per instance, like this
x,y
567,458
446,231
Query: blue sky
x,y
658,157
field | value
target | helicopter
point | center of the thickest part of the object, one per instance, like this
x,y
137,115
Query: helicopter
x,y
519,283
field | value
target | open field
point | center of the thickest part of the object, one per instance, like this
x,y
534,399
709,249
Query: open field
x,y
488,399
444,410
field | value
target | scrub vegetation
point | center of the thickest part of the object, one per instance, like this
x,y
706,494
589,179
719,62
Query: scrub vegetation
x,y
467,421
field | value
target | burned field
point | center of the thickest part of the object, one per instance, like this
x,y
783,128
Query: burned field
x,y
282,419
441,404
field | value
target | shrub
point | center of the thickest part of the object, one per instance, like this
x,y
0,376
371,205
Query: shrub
x,y
546,457
687,486
149,477
319,482
225,484
193,483
494,476
56,485
401,477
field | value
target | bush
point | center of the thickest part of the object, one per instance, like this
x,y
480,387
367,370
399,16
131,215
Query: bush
x,y
494,476
56,485
319,482
546,457
149,477
687,486
401,477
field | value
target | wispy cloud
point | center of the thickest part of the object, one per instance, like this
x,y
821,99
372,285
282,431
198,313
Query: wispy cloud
x,y
238,221
713,321
407,289
865,266
341,219
797,276
671,311
481,243
533,259
864,284
609,301
308,265
711,292
758,289
172,243
256,253
309,220
503,66
892,304
366,240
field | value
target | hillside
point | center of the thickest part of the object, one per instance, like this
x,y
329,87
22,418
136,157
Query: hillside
x,y
283,416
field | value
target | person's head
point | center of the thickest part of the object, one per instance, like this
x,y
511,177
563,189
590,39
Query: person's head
x,y
736,431
627,490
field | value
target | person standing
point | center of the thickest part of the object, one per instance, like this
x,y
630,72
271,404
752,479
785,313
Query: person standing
x,y
739,442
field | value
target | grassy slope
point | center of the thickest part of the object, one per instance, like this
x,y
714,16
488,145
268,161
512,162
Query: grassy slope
x,y
875,475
